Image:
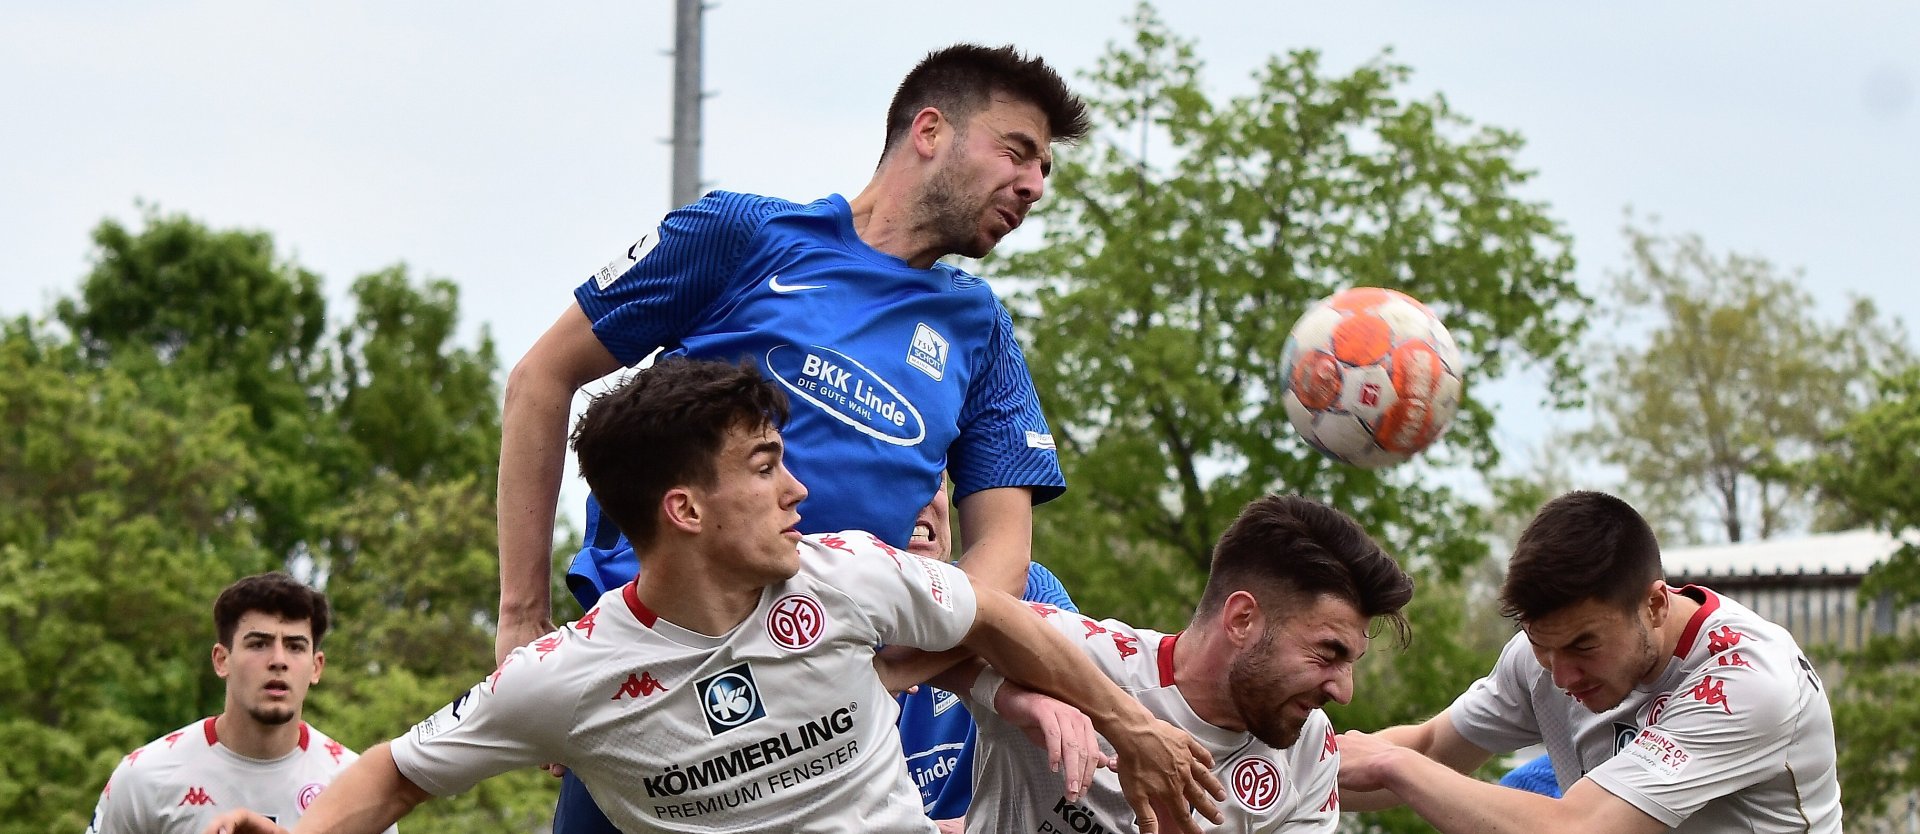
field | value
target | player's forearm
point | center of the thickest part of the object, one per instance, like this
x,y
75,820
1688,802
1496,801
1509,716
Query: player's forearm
x,y
367,798
1021,647
1455,803
533,430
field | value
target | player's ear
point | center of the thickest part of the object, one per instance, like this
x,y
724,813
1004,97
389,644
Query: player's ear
x,y
1240,618
220,655
319,663
680,508
929,129
1658,603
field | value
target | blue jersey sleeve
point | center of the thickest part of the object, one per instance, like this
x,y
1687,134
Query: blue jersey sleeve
x,y
1043,586
1004,440
654,293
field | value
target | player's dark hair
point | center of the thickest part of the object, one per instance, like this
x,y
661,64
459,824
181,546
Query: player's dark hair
x,y
663,428
269,593
1287,550
962,79
1581,546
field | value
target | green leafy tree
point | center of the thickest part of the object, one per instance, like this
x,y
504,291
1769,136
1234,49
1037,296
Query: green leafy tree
x,y
1870,473
1736,378
220,306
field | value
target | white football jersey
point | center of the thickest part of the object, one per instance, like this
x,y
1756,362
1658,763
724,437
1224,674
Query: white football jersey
x,y
1292,790
781,724
179,782
1736,735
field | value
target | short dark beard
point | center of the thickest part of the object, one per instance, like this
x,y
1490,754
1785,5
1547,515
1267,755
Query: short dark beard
x,y
261,716
1246,675
944,213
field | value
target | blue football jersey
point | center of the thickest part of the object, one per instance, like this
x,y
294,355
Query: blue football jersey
x,y
936,732
895,374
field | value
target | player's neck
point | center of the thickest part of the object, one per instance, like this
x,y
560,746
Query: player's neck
x,y
883,219
1197,666
238,732
696,601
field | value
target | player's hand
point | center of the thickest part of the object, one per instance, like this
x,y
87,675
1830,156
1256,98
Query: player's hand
x,y
1166,776
513,634
1072,746
1364,761
957,825
242,822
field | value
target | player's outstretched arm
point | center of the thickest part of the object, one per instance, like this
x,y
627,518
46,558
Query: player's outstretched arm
x,y
1434,738
533,449
1165,774
367,798
1456,803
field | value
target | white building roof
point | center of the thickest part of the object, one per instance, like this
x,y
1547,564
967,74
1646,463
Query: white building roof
x,y
1848,553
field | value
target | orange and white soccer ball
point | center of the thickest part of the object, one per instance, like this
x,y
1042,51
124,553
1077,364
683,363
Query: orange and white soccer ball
x,y
1371,377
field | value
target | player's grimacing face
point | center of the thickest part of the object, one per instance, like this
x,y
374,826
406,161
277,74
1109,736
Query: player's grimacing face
x,y
931,532
269,667
994,175
753,505
1596,652
1298,664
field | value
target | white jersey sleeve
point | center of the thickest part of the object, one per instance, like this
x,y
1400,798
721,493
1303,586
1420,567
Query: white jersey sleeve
x,y
505,722
1724,729
908,600
1496,713
121,810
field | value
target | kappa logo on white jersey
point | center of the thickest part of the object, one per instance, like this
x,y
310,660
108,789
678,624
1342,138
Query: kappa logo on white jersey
x,y
775,285
619,266
796,621
730,699
928,351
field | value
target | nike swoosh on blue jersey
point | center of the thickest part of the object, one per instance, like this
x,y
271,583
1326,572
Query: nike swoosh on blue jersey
x,y
775,285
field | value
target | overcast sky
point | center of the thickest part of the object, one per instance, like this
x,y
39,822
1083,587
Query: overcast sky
x,y
515,147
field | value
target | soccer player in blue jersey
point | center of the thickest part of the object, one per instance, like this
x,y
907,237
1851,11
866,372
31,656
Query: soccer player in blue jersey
x,y
899,366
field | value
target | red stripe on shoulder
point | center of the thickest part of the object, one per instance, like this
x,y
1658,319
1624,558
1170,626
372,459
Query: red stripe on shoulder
x,y
1709,603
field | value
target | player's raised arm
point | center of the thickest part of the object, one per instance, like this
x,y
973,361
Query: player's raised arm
x,y
1165,773
533,445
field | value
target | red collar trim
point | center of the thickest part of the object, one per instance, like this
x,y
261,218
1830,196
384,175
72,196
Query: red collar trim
x,y
1166,658
1709,603
213,735
640,610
